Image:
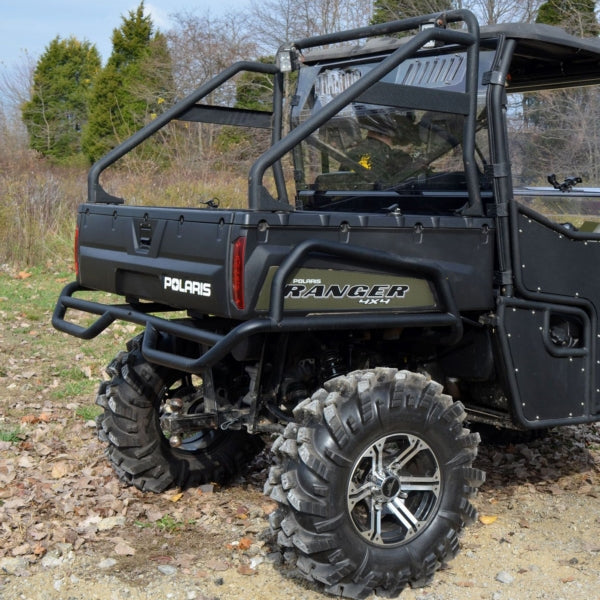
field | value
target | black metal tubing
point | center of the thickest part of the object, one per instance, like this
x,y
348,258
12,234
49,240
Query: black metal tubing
x,y
266,325
95,191
275,322
259,199
453,16
138,314
256,192
502,181
278,97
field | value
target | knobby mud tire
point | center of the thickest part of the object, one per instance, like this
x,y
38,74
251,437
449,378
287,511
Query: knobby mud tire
x,y
316,462
136,446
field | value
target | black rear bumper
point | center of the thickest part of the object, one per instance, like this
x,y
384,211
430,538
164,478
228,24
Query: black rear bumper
x,y
218,345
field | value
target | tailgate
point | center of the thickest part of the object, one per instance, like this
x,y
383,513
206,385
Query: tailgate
x,y
177,257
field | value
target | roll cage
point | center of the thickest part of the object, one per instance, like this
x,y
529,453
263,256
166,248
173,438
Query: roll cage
x,y
526,57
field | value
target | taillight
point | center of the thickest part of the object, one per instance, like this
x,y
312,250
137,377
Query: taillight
x,y
76,252
237,272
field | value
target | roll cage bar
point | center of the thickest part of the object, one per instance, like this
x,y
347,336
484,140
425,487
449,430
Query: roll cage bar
x,y
190,109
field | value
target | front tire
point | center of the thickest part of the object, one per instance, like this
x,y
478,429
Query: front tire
x,y
373,482
139,451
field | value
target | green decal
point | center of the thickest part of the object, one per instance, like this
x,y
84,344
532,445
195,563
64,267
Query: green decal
x,y
327,290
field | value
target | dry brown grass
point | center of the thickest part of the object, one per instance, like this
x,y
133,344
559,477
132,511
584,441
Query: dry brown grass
x,y
177,187
38,200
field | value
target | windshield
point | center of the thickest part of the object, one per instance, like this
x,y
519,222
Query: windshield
x,y
389,146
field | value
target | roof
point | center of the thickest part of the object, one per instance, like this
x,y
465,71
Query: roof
x,y
545,34
544,54
547,56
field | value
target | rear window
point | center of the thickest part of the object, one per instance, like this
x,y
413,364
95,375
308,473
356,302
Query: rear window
x,y
384,152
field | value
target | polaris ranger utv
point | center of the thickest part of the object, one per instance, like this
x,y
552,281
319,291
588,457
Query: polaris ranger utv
x,y
404,266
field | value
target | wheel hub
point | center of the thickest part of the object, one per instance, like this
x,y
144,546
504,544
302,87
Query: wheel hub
x,y
388,488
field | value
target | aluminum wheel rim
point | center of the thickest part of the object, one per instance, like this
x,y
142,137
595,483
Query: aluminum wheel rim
x,y
394,490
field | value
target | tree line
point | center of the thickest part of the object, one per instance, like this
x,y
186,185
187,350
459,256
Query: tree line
x,y
78,109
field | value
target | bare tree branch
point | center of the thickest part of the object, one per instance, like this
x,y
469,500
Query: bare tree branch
x,y
202,45
490,12
275,22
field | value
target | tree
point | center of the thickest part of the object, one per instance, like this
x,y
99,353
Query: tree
x,y
278,21
490,12
254,90
391,10
58,108
134,86
576,16
16,85
558,132
203,45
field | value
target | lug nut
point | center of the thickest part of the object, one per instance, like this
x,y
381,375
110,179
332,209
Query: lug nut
x,y
175,441
176,404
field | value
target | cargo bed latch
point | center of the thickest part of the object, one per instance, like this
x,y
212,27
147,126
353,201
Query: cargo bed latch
x,y
145,233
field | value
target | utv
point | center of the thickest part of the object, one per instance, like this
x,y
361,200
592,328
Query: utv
x,y
405,264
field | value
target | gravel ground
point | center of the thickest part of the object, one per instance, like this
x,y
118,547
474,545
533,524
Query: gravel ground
x,y
70,531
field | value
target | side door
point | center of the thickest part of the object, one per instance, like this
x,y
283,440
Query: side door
x,y
549,329
549,326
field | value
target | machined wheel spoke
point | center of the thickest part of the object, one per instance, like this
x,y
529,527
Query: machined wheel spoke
x,y
399,510
375,453
420,484
375,530
415,446
356,494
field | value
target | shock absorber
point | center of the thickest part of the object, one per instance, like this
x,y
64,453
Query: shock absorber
x,y
332,365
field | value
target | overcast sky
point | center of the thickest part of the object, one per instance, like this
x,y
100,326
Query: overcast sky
x,y
30,25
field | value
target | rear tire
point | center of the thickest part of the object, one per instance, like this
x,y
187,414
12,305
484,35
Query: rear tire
x,y
136,446
373,482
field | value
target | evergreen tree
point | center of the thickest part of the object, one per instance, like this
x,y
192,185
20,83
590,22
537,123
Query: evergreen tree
x,y
390,10
58,108
255,90
132,88
576,16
